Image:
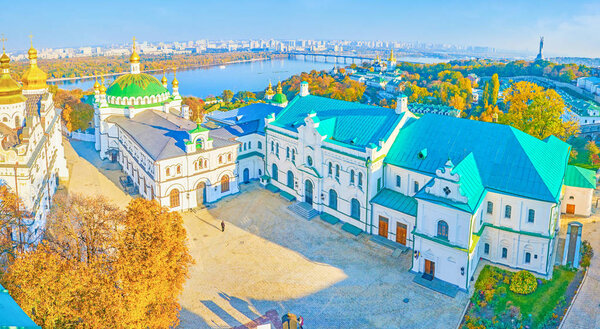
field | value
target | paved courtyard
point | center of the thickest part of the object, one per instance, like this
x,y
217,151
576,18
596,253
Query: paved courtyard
x,y
269,259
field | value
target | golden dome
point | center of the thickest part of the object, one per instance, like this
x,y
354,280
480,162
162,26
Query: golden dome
x,y
164,79
33,78
96,85
392,57
279,89
134,58
10,90
102,87
270,91
32,53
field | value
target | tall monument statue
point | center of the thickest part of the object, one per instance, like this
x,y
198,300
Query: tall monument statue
x,y
540,56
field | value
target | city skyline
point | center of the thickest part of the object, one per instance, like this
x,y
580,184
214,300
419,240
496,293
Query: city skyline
x,y
510,25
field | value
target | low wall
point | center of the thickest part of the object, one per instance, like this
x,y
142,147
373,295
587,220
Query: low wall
x,y
82,136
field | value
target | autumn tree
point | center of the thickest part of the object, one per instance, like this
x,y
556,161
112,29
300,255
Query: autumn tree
x,y
15,223
100,267
593,150
536,111
66,117
494,90
196,107
153,263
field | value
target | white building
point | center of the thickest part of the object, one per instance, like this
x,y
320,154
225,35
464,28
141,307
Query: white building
x,y
579,189
169,158
31,152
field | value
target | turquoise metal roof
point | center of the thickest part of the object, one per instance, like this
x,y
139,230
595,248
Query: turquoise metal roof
x,y
580,177
11,315
470,182
508,160
354,125
397,201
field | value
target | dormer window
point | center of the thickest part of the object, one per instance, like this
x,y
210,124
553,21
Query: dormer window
x,y
447,190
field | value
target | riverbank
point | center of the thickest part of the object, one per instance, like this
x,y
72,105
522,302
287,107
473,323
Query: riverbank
x,y
188,67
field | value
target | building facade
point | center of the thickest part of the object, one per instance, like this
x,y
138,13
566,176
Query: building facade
x,y
31,151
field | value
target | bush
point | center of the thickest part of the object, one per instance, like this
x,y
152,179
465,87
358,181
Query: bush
x,y
586,254
523,283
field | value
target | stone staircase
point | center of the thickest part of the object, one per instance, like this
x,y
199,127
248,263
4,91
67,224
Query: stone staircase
x,y
303,210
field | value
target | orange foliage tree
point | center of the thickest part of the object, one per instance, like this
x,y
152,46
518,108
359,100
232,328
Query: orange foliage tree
x,y
100,267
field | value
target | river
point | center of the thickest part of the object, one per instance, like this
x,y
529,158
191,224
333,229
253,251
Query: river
x,y
251,76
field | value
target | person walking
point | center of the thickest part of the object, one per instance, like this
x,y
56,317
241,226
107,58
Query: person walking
x,y
222,226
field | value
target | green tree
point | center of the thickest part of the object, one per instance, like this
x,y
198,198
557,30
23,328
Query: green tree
x,y
227,95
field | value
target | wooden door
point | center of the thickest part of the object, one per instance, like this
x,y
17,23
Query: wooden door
x,y
401,233
383,226
570,208
430,268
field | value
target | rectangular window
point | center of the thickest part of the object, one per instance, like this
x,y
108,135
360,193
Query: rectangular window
x,y
527,258
416,187
531,216
486,248
507,211
378,184
490,207
504,252
398,180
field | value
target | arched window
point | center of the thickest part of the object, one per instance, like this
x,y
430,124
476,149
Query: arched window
x,y
224,184
527,258
275,172
199,143
287,152
293,156
355,209
229,157
507,211
272,146
531,216
416,186
259,145
504,252
250,145
205,164
352,177
309,161
220,159
337,171
330,170
360,179
245,146
333,199
442,230
277,150
168,171
174,198
178,169
197,165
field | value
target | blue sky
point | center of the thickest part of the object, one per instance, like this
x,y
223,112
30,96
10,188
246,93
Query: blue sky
x,y
569,27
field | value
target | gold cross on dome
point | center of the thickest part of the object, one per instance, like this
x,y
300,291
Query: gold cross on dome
x,y
3,39
133,43
31,39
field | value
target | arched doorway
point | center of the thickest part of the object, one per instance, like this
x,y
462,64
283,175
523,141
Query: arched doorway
x,y
275,172
174,198
333,199
308,192
246,175
200,193
224,184
290,179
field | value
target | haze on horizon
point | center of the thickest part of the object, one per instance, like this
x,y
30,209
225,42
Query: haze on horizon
x,y
569,28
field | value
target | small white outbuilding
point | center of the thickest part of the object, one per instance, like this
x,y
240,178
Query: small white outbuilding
x,y
579,188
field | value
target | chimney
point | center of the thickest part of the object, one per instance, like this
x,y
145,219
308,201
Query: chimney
x,y
401,104
304,89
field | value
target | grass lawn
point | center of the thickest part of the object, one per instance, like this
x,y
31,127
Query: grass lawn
x,y
543,300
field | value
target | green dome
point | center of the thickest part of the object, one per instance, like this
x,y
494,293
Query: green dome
x,y
136,85
279,98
